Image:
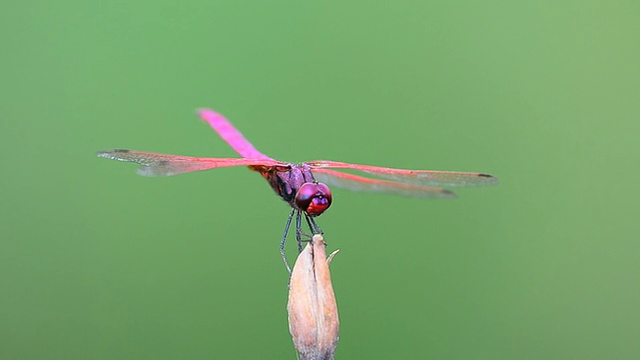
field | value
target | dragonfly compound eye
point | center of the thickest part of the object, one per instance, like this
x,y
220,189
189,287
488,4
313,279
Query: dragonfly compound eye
x,y
313,198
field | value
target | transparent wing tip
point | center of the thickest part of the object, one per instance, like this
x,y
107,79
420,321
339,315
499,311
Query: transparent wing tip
x,y
152,171
447,194
111,154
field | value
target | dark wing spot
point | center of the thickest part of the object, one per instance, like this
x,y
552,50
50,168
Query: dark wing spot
x,y
448,193
122,151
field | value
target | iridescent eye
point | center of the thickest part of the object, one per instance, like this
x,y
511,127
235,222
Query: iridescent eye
x,y
313,198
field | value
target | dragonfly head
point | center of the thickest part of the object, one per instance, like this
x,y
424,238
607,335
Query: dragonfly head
x,y
314,198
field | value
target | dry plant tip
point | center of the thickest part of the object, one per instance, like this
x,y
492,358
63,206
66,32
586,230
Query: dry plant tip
x,y
332,255
312,308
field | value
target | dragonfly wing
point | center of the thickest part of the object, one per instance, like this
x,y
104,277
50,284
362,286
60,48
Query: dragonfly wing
x,y
231,135
359,183
153,164
418,177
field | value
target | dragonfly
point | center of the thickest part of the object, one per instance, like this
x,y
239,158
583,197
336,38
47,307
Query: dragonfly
x,y
304,186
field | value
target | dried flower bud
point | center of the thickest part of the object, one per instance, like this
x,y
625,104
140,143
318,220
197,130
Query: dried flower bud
x,y
312,308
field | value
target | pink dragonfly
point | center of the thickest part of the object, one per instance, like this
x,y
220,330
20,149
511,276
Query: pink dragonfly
x,y
303,186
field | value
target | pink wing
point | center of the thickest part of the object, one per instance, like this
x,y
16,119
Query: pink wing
x,y
359,183
231,135
416,177
165,165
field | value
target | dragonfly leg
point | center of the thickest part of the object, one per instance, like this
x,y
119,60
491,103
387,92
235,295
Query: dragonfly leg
x,y
313,226
301,236
284,241
299,233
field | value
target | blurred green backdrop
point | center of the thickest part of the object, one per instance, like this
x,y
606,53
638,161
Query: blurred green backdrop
x,y
98,263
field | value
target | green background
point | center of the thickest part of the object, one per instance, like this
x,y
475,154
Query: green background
x,y
99,263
